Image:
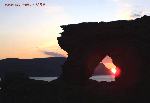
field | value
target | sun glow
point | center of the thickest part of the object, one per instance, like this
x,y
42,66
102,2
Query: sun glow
x,y
113,70
116,72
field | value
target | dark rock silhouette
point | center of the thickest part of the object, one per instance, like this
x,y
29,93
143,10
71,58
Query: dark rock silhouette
x,y
127,42
16,86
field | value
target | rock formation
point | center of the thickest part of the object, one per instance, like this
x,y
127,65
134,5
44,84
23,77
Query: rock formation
x,y
127,42
88,43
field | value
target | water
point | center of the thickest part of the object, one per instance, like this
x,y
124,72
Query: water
x,y
44,78
100,78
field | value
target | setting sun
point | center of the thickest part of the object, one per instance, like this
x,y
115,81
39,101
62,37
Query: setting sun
x,y
113,70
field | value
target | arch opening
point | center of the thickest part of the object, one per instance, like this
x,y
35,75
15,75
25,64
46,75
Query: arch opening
x,y
106,70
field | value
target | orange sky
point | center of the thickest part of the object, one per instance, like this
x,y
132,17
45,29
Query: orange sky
x,y
107,61
31,32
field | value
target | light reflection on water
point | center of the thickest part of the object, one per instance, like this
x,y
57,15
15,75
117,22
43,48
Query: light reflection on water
x,y
100,78
44,78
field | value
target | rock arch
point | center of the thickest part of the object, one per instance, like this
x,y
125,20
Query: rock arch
x,y
127,42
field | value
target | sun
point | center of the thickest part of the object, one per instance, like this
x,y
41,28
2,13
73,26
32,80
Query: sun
x,y
113,70
116,72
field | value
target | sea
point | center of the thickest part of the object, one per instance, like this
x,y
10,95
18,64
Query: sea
x,y
100,78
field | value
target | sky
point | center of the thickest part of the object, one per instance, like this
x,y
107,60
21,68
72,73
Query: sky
x,y
31,32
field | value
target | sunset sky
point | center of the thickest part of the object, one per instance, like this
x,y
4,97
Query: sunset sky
x,y
31,32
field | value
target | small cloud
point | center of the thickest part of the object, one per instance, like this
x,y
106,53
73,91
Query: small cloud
x,y
128,11
53,54
54,51
136,15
